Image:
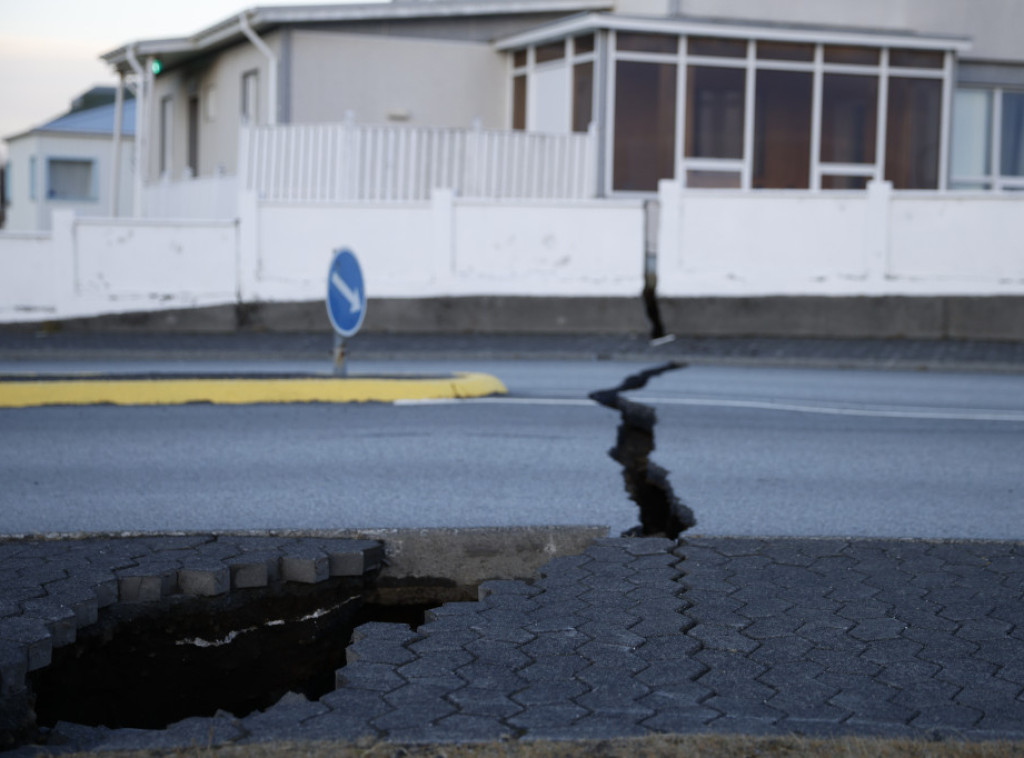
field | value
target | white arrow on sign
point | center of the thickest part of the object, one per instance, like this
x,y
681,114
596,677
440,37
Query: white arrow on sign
x,y
354,303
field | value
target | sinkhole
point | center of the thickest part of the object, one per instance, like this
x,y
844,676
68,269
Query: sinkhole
x,y
149,667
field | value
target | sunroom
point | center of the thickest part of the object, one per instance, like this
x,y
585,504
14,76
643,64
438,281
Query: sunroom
x,y
719,105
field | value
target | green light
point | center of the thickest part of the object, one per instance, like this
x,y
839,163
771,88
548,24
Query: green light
x,y
156,66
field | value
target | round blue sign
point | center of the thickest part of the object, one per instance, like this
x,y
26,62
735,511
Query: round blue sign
x,y
346,296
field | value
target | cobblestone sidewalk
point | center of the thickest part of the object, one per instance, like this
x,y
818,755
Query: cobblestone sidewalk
x,y
759,636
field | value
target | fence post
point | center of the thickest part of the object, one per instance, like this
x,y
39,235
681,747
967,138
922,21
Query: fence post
x,y
876,235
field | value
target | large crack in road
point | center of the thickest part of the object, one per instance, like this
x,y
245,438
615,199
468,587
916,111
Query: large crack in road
x,y
662,513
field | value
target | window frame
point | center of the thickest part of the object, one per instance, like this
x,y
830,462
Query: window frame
x,y
92,195
993,179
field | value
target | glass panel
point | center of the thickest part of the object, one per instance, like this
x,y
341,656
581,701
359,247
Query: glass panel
x,y
852,54
700,179
582,96
972,132
645,124
782,130
519,58
714,112
849,109
552,52
785,51
912,134
647,43
916,58
722,48
69,180
836,182
970,186
1012,142
584,44
519,102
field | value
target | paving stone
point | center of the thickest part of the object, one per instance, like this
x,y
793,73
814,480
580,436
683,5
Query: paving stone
x,y
547,715
254,569
681,720
13,666
465,727
204,578
147,582
479,700
78,596
60,620
378,677
307,565
549,692
491,676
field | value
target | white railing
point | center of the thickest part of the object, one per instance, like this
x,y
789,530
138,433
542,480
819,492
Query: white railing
x,y
348,162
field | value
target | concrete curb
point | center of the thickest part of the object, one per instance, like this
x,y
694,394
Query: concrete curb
x,y
155,390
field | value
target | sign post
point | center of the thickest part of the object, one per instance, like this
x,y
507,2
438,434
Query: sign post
x,y
346,302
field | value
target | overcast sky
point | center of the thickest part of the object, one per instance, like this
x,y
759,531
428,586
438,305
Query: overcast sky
x,y
49,49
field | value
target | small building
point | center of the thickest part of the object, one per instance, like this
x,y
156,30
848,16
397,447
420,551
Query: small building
x,y
69,164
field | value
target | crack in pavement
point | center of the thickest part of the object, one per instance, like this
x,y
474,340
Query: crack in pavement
x,y
662,513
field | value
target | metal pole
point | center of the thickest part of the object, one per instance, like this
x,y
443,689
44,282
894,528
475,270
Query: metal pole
x,y
339,356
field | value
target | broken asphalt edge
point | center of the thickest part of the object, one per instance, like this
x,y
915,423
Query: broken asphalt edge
x,y
22,392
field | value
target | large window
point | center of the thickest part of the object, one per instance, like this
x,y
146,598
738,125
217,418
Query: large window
x,y
645,121
913,133
70,179
553,86
250,97
782,130
714,112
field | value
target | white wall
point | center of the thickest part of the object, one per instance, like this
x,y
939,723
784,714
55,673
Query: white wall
x,y
448,246
878,242
710,244
415,81
88,266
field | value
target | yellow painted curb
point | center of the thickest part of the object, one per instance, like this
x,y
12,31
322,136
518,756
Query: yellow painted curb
x,y
243,391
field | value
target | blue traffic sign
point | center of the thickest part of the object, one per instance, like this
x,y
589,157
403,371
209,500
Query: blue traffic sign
x,y
346,296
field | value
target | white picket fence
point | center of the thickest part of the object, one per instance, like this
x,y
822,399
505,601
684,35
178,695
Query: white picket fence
x,y
350,162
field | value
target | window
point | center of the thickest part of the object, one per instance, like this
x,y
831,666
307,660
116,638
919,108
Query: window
x,y
852,55
714,112
32,191
1012,143
193,135
250,97
70,179
782,130
545,53
519,102
972,132
645,111
166,133
647,43
714,47
912,133
582,96
849,118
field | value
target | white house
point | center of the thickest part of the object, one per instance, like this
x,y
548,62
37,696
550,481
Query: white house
x,y
69,163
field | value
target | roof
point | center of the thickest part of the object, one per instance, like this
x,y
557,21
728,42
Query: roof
x,y
588,22
91,121
263,18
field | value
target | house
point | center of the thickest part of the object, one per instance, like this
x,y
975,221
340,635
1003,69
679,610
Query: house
x,y
738,93
69,163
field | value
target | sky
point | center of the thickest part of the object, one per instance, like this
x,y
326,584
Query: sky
x,y
49,49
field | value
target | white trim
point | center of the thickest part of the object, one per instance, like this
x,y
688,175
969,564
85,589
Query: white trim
x,y
945,120
749,98
817,98
882,132
593,21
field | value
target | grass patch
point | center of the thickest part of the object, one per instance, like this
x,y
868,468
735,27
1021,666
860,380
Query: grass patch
x,y
654,746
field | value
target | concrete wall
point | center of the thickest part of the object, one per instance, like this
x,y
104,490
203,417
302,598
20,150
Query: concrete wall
x,y
810,264
875,243
415,81
87,266
448,247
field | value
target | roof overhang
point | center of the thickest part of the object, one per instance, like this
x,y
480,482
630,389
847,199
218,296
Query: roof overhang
x,y
263,18
591,22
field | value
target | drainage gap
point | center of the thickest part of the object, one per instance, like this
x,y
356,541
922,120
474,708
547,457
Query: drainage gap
x,y
662,514
146,668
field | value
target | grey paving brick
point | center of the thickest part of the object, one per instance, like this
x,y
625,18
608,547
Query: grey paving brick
x,y
254,569
491,676
378,677
547,715
498,652
466,727
204,578
681,720
148,582
439,663
60,620
307,565
474,700
549,692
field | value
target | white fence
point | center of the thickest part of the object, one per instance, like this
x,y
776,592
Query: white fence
x,y
208,197
351,162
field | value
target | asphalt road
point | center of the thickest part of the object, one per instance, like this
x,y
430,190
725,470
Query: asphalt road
x,y
753,451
